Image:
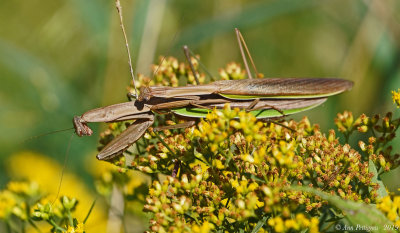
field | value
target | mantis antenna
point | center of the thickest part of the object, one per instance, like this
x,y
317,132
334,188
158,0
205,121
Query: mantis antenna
x,y
119,9
242,42
190,52
63,169
47,133
186,52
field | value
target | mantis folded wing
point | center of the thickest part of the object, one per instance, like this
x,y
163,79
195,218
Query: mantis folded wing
x,y
276,88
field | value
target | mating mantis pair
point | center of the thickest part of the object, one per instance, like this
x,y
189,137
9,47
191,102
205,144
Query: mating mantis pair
x,y
265,98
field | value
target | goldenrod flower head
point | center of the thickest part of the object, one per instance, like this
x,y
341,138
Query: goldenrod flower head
x,y
23,188
7,203
79,228
396,97
204,228
390,206
232,71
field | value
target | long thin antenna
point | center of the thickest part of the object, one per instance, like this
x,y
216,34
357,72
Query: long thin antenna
x,y
164,57
119,9
187,54
63,169
243,55
202,65
47,133
241,41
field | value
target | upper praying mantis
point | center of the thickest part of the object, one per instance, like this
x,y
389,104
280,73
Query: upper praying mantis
x,y
265,98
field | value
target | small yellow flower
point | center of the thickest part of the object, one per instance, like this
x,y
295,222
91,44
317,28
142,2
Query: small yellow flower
x,y
78,229
218,164
277,223
7,202
204,228
23,187
396,97
389,207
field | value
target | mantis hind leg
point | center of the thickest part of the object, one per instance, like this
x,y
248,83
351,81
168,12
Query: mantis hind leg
x,y
252,107
177,126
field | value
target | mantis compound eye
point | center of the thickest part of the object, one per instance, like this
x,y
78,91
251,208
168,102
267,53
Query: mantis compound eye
x,y
145,94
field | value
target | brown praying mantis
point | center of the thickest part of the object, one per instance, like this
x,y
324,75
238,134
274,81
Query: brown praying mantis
x,y
265,98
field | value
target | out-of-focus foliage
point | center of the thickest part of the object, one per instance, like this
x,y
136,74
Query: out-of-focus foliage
x,y
22,203
59,59
35,197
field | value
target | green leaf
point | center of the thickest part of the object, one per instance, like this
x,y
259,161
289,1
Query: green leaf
x,y
260,224
357,213
90,211
381,191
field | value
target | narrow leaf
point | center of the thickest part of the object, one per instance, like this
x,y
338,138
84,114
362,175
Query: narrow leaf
x,y
90,211
260,224
358,214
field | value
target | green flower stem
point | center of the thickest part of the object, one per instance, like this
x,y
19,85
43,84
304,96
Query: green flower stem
x,y
164,143
71,221
51,221
8,227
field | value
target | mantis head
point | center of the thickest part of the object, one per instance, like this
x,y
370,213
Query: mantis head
x,y
81,128
145,94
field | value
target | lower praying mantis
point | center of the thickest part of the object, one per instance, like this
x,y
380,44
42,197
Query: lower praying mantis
x,y
142,112
264,98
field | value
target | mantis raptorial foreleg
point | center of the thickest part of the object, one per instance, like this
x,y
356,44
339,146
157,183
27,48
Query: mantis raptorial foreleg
x,y
133,110
116,112
127,137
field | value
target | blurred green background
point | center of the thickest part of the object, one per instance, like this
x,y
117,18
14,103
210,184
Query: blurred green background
x,y
61,58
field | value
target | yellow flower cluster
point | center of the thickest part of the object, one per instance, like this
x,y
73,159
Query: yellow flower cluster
x,y
232,71
382,131
297,224
233,168
36,191
390,206
78,229
7,204
25,202
204,228
13,199
170,72
396,97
